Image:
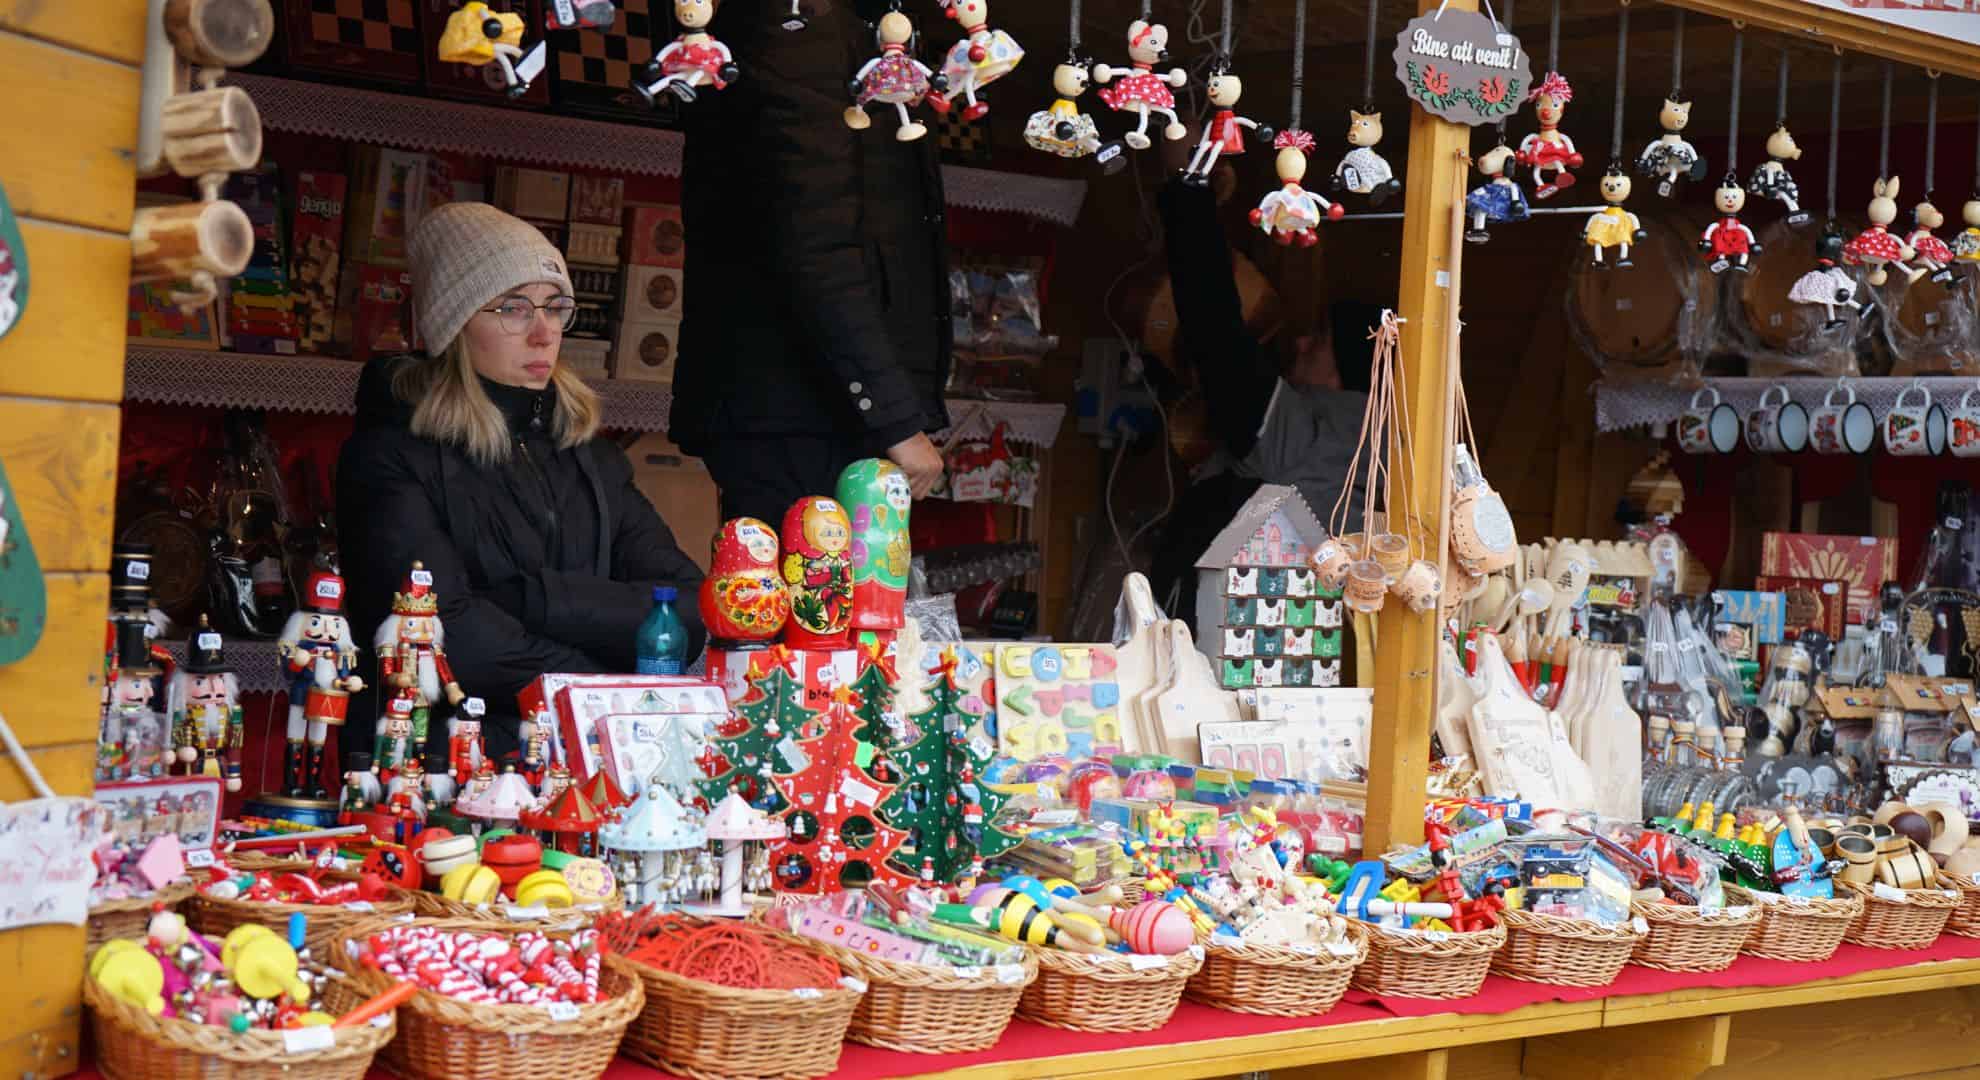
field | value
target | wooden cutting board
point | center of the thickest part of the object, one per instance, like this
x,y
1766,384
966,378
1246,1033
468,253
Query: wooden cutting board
x,y
1139,675
1192,698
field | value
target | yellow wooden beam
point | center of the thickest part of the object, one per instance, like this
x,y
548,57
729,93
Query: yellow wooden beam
x,y
1406,655
1677,1048
70,132
61,458
56,697
1847,31
113,29
70,340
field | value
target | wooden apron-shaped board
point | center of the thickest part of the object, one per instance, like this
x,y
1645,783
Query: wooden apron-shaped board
x,y
1193,698
1136,673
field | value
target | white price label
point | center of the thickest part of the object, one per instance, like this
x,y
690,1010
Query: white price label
x,y
1687,645
1950,894
1887,626
534,911
807,992
302,1040
1764,898
1642,924
1976,881
1340,948
562,1011
359,905
857,792
1010,973
968,972
1196,951
1830,588
1305,950
1866,541
857,986
1955,523
209,642
138,570
1884,892
1796,901
1737,911
1143,962
199,858
1660,646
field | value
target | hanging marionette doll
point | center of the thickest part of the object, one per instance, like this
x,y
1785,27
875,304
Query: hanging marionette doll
x,y
1612,226
1549,151
479,36
893,78
982,57
1966,246
1290,214
412,657
693,59
1828,284
1138,88
1364,171
1931,252
580,15
1496,200
1727,242
1875,247
1224,133
1771,180
1669,158
319,659
1063,129
203,698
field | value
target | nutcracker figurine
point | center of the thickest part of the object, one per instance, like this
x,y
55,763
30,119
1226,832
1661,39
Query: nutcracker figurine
x,y
893,78
538,750
1966,246
1364,171
1063,129
1669,157
361,790
410,645
1549,150
1290,214
1728,242
1141,90
982,57
876,494
817,573
1932,253
1224,133
476,788
464,750
743,602
556,781
320,661
1497,199
1771,180
392,746
132,740
692,59
1612,226
403,799
203,697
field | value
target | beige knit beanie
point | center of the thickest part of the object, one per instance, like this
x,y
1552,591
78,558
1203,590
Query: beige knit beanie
x,y
466,254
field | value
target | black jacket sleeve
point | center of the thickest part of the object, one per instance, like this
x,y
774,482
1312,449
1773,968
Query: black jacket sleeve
x,y
1236,373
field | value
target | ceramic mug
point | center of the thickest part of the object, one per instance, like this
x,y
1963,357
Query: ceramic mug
x,y
1965,440
1842,427
1917,430
1708,429
1777,427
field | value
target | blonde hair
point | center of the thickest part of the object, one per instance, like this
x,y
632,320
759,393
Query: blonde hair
x,y
450,406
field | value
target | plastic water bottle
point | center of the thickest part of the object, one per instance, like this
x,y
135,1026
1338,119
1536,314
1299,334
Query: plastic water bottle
x,y
663,638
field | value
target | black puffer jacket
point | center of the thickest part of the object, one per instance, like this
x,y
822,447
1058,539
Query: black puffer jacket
x,y
818,254
544,563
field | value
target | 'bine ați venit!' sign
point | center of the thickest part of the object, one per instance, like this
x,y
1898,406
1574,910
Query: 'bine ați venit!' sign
x,y
1462,66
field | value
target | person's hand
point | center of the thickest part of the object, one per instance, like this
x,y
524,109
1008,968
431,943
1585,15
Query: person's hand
x,y
918,458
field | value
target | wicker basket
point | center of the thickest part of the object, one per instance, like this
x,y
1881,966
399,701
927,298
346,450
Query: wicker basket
x,y
442,1037
130,918
327,922
1964,920
1107,992
1683,938
431,905
1274,980
1555,949
1419,964
928,1008
1913,922
711,1032
132,1044
1797,928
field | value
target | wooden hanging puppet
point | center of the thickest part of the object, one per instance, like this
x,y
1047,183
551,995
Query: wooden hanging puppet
x,y
1771,180
203,699
319,659
1875,247
1669,158
692,60
1224,133
1139,89
1496,200
478,35
580,15
1063,129
1290,214
1549,151
1612,226
1932,253
1727,242
982,57
1966,246
1364,171
743,602
817,573
893,78
1828,284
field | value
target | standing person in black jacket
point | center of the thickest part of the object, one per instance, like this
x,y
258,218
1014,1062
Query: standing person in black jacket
x,y
481,460
817,322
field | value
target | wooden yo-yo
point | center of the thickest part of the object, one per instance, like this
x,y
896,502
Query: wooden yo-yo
x,y
219,33
211,131
1859,857
1911,868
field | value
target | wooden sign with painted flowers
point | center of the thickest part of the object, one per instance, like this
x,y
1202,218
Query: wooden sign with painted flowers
x,y
1462,66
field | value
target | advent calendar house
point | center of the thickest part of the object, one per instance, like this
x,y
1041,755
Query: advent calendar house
x,y
1261,616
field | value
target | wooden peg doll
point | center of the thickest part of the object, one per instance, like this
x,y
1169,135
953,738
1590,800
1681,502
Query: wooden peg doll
x,y
693,59
1364,170
1771,180
1827,285
893,78
1932,252
1875,247
1290,214
1612,226
1224,133
1497,199
1063,129
478,35
1728,242
1966,246
982,57
1669,158
1140,89
1549,151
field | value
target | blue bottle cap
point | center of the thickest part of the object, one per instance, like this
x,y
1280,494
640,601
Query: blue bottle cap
x,y
664,594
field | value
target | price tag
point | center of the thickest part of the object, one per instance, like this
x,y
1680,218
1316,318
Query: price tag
x,y
1830,588
1010,973
1887,626
1866,541
857,792
1884,892
1737,911
402,917
1976,881
359,905
1764,898
857,986
1642,924
1141,962
1952,894
1660,646
807,992
1796,901
1196,951
138,569
562,1011
199,858
1436,935
1305,950
1687,645
1340,948
1624,303
968,972
534,911
1955,523
302,1040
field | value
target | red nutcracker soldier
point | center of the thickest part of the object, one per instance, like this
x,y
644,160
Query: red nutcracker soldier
x,y
411,656
817,573
392,747
556,780
464,752
743,602
1728,242
203,698
538,751
320,660
404,801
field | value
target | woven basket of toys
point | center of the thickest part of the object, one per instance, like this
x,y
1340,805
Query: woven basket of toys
x,y
1684,938
1277,980
132,1044
1965,918
1556,949
462,1021
432,905
1797,928
1427,963
215,915
127,918
1899,918
1080,991
931,1008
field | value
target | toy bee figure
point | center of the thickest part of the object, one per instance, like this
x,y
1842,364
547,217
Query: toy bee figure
x,y
478,35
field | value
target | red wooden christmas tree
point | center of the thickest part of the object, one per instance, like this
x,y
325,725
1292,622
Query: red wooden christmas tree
x,y
836,840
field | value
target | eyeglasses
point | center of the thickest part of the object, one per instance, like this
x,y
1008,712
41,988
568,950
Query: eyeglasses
x,y
517,314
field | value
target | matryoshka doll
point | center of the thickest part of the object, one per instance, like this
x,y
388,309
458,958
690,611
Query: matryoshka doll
x,y
817,573
875,494
743,602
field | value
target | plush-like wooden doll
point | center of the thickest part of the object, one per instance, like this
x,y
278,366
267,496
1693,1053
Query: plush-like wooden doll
x,y
1612,226
1875,247
1727,242
1549,151
1224,132
1063,129
893,78
982,57
1138,88
1364,171
1290,214
693,60
1669,158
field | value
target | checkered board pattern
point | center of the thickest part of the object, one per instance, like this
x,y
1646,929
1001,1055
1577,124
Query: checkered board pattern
x,y
960,143
596,68
379,25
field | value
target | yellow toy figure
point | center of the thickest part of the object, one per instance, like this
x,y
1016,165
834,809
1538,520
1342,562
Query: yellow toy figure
x,y
1063,129
1966,246
1612,226
478,35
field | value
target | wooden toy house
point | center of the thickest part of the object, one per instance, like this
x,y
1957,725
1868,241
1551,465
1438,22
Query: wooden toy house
x,y
1261,616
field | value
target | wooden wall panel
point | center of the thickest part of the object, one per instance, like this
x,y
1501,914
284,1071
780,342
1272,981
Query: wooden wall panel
x,y
113,29
1917,1034
41,966
70,129
65,345
62,461
54,699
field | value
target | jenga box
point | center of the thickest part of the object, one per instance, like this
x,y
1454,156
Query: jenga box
x,y
317,240
822,671
656,237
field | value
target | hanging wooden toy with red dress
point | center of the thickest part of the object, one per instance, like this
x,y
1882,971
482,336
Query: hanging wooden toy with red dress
x,y
1549,151
1727,242
1290,214
1876,247
1932,253
982,57
893,78
1224,132
1138,88
693,60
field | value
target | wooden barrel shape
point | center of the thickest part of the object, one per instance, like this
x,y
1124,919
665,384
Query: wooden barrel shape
x,y
1779,336
1930,328
220,33
1630,321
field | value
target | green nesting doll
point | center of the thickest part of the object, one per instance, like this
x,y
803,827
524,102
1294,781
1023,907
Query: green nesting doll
x,y
876,497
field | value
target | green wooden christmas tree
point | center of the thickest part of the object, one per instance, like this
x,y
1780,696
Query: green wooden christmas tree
x,y
743,752
942,803
875,705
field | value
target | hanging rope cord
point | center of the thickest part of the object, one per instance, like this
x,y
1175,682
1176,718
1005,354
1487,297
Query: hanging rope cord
x,y
1677,56
1780,92
1553,35
1732,124
1072,29
1622,66
1499,127
1931,130
1368,61
1884,133
1298,64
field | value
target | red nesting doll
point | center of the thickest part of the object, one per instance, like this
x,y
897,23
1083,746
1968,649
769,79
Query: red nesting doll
x,y
743,602
817,573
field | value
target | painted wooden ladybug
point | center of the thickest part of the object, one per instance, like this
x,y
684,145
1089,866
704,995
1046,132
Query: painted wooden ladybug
x,y
394,864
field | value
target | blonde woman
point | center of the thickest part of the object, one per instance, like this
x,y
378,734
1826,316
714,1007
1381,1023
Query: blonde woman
x,y
481,459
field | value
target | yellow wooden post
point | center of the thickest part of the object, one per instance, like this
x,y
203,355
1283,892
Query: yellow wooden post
x,y
1406,657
